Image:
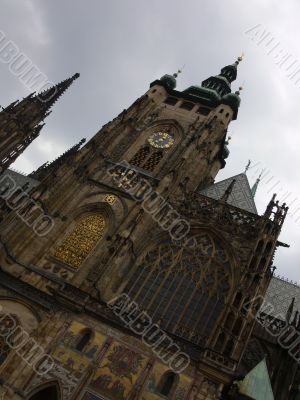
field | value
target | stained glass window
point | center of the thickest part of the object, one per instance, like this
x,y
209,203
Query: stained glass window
x,y
184,289
139,158
153,161
81,240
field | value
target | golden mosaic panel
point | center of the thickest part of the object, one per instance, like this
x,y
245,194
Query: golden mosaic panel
x,y
81,241
118,372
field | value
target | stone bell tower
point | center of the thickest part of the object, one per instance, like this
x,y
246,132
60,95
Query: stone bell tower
x,y
21,122
128,216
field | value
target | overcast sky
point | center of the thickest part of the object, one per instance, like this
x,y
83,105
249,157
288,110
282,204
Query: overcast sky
x,y
119,47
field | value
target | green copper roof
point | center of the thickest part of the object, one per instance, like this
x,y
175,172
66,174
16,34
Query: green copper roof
x,y
226,151
230,71
214,91
201,93
218,83
233,100
169,80
240,197
257,383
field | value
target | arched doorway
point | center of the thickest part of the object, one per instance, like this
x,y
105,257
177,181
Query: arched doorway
x,y
48,393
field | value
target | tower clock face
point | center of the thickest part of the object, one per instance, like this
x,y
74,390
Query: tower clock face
x,y
161,140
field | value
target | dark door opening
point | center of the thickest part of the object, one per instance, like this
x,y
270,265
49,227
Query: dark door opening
x,y
49,393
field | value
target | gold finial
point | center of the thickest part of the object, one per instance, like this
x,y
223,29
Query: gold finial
x,y
240,58
178,72
240,89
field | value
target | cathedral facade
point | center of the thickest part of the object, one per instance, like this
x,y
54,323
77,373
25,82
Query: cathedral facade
x,y
125,271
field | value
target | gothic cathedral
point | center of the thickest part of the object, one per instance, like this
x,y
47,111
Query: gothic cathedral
x,y
126,272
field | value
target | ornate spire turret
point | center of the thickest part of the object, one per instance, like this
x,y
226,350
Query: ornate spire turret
x,y
256,184
21,121
49,96
36,107
247,166
230,71
222,83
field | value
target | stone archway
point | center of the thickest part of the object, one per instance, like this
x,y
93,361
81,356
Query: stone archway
x,y
47,393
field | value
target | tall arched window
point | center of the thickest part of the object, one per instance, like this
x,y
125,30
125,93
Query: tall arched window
x,y
154,150
220,342
237,327
81,240
229,321
140,156
229,348
183,289
84,339
167,384
153,161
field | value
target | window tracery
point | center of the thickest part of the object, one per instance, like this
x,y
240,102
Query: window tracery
x,y
154,149
185,289
153,161
140,156
78,244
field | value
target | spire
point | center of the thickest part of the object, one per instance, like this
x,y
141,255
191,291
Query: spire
x,y
49,96
247,166
230,71
34,108
255,186
22,120
222,82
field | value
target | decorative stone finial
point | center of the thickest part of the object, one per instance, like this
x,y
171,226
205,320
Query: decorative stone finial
x,y
238,92
255,186
177,73
239,59
248,166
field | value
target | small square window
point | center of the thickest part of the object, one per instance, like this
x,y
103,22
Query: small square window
x,y
203,111
171,101
186,105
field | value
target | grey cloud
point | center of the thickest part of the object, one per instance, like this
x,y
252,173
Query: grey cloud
x,y
119,47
